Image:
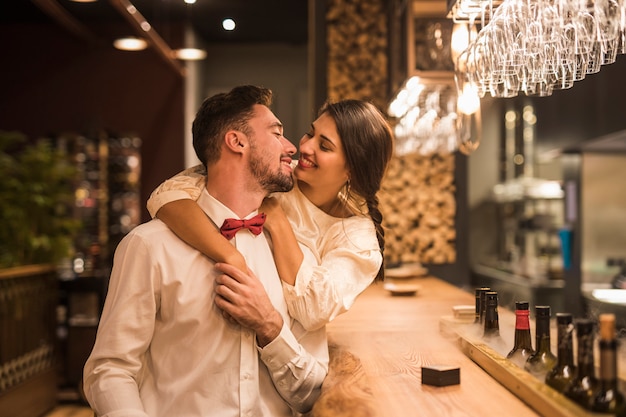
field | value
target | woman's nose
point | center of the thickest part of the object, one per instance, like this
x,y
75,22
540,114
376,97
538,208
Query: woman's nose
x,y
305,144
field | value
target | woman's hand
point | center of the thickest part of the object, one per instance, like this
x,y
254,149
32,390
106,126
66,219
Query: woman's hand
x,y
274,214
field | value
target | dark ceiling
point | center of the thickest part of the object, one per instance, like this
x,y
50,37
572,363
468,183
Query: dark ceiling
x,y
283,21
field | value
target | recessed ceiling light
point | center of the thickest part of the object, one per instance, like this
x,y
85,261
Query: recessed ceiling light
x,y
190,54
130,44
228,24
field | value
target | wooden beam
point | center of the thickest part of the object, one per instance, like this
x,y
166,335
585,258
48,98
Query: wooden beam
x,y
57,12
145,30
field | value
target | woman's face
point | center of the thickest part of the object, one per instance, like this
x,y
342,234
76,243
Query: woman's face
x,y
322,160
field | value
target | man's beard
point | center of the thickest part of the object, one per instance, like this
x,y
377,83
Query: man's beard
x,y
270,181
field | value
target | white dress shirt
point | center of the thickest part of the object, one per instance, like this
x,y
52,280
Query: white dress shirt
x,y
341,256
164,349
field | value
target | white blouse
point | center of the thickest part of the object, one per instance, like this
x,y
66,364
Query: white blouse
x,y
341,255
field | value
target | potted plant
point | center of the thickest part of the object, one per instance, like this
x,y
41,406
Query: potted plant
x,y
36,194
37,230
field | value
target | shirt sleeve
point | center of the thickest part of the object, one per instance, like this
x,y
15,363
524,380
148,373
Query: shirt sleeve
x,y
124,334
350,259
187,184
297,374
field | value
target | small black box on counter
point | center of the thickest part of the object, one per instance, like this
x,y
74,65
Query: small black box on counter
x,y
441,375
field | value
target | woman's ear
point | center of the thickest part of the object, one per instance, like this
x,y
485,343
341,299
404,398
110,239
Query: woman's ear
x,y
235,140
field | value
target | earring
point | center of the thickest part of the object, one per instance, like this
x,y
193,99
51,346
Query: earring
x,y
347,190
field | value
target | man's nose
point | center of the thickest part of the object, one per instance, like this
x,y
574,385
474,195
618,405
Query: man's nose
x,y
290,148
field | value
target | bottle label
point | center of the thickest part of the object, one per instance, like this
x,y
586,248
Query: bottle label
x,y
521,320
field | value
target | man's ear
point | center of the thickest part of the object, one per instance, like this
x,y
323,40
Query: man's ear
x,y
235,141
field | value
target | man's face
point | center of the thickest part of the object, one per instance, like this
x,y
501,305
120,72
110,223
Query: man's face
x,y
271,152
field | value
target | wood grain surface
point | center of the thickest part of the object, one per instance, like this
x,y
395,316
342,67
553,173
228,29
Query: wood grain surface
x,y
379,347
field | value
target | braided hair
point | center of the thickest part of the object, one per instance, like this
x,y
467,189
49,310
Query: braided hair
x,y
367,142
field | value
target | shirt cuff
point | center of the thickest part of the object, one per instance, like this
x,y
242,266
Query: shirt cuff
x,y
280,351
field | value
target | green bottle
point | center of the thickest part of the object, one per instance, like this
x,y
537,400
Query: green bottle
x,y
608,399
585,385
562,375
543,360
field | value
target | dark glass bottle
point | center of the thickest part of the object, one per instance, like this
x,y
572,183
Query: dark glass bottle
x,y
585,384
522,345
543,360
479,306
608,398
562,375
492,322
483,304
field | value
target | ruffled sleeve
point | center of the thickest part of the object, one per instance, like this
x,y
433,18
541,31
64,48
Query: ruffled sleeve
x,y
187,184
348,261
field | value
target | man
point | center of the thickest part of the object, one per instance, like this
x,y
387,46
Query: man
x,y
178,337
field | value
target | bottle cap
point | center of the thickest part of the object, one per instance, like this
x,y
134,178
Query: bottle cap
x,y
584,326
521,305
607,326
481,289
563,318
491,298
542,311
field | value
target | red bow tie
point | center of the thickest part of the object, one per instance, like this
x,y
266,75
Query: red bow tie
x,y
232,226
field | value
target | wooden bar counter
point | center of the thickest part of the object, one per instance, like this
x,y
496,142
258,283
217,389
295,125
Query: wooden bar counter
x,y
379,347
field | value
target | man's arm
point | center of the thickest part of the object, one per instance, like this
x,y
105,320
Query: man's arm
x,y
124,333
296,373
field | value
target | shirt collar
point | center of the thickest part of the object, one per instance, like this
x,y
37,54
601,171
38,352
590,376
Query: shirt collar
x,y
217,211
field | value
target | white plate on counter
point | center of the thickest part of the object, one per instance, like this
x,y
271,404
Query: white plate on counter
x,y
411,270
401,288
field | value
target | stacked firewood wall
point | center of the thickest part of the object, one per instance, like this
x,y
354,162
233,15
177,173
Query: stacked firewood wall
x,y
418,195
357,50
418,205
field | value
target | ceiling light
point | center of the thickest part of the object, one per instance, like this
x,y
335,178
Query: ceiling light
x,y
130,43
190,54
228,24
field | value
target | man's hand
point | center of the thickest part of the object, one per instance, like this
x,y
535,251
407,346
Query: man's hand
x,y
242,297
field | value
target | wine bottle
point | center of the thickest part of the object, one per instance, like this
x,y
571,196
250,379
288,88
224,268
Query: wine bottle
x,y
608,398
585,384
543,360
562,375
479,308
483,304
522,344
492,322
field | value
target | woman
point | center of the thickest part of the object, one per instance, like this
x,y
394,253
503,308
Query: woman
x,y
327,236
